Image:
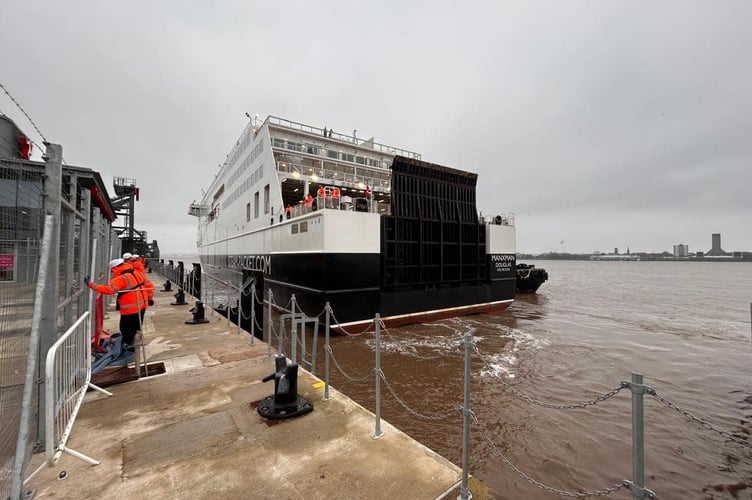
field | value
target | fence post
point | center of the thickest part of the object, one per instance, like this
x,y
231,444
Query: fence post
x,y
240,304
293,333
228,303
269,326
47,307
466,412
377,371
253,311
638,438
326,354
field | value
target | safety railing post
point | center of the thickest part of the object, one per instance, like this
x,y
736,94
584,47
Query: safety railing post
x,y
314,346
637,485
293,333
240,304
377,433
326,353
253,312
269,326
466,412
228,304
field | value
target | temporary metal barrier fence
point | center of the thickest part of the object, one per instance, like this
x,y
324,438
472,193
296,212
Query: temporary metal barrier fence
x,y
67,378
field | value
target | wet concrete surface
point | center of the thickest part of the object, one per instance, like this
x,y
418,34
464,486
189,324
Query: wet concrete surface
x,y
193,432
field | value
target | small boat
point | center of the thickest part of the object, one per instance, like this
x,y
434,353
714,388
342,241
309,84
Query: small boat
x,y
530,278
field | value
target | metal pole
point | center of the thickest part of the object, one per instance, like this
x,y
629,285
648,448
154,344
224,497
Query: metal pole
x,y
466,412
269,326
47,307
326,354
315,346
227,308
293,333
253,311
638,438
377,372
240,304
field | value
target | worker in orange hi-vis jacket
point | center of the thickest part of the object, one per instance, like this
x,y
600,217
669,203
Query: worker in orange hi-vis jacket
x,y
132,296
139,264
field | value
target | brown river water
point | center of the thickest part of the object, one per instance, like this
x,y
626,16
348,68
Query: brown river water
x,y
684,326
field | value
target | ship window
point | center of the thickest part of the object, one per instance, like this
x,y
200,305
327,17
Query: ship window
x,y
347,157
304,227
248,212
294,229
332,154
361,160
266,199
279,143
312,150
256,205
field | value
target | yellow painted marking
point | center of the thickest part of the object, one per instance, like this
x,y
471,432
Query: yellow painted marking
x,y
318,384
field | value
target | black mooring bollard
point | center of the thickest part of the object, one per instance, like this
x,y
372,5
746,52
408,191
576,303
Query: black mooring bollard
x,y
179,298
167,286
285,403
198,314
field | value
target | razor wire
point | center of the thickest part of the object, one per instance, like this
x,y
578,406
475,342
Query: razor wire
x,y
571,406
573,494
413,412
703,423
337,365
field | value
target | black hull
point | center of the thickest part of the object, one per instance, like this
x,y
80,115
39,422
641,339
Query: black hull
x,y
352,284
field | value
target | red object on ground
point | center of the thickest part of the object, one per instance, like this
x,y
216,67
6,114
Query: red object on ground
x,y
99,333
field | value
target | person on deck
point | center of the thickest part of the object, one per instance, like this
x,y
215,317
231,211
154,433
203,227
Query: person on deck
x,y
335,197
289,210
132,297
139,264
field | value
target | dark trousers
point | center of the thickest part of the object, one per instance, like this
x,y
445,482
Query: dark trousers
x,y
129,325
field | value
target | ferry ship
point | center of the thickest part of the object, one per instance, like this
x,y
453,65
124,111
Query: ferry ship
x,y
367,227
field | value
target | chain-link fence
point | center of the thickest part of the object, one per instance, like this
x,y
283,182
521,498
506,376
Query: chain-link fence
x,y
21,225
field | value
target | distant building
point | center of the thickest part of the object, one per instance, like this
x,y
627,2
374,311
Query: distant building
x,y
681,250
716,251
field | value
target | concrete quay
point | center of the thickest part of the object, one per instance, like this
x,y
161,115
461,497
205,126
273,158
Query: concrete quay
x,y
192,432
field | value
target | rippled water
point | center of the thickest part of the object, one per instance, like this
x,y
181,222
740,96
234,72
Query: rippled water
x,y
684,326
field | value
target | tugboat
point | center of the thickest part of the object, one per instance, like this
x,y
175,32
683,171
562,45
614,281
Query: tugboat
x,y
530,278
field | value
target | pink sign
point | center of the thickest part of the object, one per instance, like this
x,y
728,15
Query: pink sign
x,y
6,260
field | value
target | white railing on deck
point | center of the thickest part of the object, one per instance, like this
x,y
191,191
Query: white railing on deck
x,y
289,124
67,378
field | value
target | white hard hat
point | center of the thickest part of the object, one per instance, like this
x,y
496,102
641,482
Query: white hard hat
x,y
135,256
116,262
127,256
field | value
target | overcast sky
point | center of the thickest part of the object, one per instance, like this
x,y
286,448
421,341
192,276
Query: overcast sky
x,y
600,124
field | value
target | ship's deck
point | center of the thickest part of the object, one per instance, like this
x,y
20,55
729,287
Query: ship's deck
x,y
191,433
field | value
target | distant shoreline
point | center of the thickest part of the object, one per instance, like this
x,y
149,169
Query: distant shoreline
x,y
639,257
